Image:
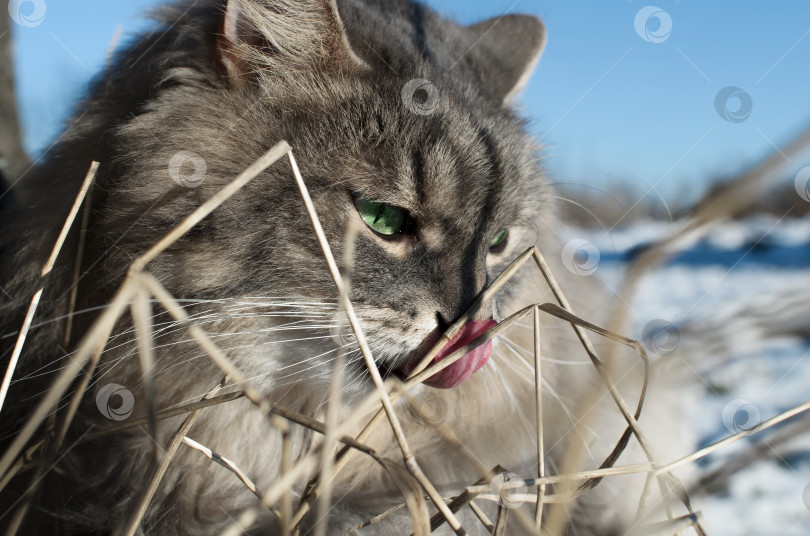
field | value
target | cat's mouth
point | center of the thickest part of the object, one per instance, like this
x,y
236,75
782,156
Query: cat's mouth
x,y
461,369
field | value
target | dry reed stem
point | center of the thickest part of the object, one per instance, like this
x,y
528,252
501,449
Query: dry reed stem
x,y
100,331
666,528
78,394
764,448
644,497
329,441
461,500
376,519
714,447
500,520
335,386
138,510
219,358
538,388
591,474
487,475
481,516
559,516
46,270
165,414
21,463
77,265
286,457
141,311
229,465
250,173
410,488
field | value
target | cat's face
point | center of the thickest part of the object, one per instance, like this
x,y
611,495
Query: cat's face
x,y
441,200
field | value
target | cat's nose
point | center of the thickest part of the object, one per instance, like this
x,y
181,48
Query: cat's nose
x,y
444,321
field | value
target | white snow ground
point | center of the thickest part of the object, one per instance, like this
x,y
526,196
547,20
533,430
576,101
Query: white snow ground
x,y
740,304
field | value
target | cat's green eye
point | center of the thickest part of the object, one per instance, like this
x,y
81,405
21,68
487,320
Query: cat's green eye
x,y
499,241
385,219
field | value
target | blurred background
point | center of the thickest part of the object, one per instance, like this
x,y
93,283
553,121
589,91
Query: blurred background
x,y
642,109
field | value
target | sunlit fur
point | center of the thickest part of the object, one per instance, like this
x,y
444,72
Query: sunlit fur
x,y
252,274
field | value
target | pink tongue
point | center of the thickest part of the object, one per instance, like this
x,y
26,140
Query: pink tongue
x,y
472,361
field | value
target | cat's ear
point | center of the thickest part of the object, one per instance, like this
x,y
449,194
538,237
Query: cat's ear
x,y
291,34
512,45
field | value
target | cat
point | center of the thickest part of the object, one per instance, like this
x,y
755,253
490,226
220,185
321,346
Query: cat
x,y
401,121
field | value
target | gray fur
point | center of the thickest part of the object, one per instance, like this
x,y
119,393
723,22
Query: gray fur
x,y
464,171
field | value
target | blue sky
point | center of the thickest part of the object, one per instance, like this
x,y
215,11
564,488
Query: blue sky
x,y
608,104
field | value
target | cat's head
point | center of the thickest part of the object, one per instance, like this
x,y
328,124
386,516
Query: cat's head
x,y
401,124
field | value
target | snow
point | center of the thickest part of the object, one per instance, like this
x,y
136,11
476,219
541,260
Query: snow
x,y
742,313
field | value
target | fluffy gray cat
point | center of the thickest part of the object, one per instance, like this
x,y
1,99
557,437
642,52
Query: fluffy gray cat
x,y
400,120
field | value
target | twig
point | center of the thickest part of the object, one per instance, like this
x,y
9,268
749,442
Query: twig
x,y
142,503
46,270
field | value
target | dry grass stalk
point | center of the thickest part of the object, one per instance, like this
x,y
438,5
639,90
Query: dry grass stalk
x,y
229,465
141,311
100,331
142,503
482,517
77,265
286,458
538,388
666,528
46,270
766,448
714,447
335,386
